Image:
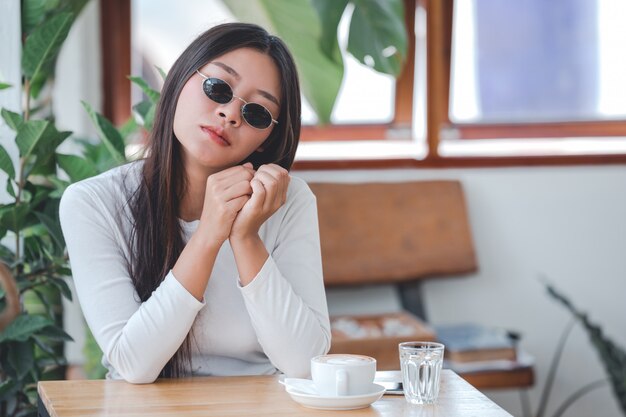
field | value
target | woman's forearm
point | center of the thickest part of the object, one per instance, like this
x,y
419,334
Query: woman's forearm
x,y
195,264
250,255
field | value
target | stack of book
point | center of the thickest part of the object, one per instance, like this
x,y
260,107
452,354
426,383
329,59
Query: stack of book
x,y
472,347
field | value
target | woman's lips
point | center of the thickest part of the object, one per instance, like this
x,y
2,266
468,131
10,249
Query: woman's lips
x,y
216,134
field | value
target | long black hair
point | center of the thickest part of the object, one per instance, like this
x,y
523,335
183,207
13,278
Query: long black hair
x,y
156,235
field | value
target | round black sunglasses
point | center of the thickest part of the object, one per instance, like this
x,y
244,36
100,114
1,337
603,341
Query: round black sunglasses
x,y
218,90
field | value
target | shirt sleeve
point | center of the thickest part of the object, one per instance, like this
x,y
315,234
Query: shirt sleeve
x,y
286,300
137,338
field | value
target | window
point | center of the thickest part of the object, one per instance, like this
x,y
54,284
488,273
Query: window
x,y
161,29
533,62
529,83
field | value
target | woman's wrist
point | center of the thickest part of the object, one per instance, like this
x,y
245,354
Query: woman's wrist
x,y
244,240
206,242
250,255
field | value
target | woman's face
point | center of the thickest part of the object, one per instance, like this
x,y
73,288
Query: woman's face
x,y
215,136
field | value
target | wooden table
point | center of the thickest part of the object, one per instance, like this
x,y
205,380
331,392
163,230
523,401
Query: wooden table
x,y
521,377
238,396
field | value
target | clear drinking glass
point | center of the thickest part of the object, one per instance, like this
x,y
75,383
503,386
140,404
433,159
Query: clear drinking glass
x,y
421,369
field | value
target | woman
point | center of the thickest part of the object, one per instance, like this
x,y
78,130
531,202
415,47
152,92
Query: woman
x,y
204,258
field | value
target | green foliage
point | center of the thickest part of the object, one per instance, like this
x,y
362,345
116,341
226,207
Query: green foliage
x,y
45,24
112,139
31,347
613,357
377,38
42,48
377,31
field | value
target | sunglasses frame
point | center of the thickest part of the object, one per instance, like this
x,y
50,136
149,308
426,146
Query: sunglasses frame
x,y
245,103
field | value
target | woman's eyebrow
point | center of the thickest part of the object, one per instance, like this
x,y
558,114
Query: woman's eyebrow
x,y
269,96
235,74
228,69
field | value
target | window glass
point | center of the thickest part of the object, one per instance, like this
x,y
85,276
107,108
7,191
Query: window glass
x,y
538,61
161,29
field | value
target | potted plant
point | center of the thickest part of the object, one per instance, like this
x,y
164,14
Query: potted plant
x,y
34,265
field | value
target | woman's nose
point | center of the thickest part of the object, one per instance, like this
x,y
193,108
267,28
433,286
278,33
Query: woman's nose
x,y
230,112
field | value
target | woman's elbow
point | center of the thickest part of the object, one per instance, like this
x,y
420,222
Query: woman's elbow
x,y
131,369
137,377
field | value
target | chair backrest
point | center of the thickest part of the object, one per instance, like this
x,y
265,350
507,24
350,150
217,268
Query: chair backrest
x,y
393,232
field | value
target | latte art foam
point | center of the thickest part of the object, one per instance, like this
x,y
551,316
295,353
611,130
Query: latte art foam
x,y
344,359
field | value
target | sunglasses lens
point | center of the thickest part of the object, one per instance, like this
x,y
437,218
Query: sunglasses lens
x,y
217,90
257,115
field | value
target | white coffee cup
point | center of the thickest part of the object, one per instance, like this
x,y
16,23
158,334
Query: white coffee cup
x,y
343,374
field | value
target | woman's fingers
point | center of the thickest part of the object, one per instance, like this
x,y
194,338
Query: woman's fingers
x,y
281,175
236,204
242,187
234,174
258,194
275,180
222,183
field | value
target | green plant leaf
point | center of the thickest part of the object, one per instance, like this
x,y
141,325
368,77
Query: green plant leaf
x,y
6,164
612,356
99,155
33,13
12,217
298,24
55,333
37,141
22,359
53,228
330,12
77,168
4,86
42,48
377,31
6,255
161,72
24,326
73,6
145,110
49,350
45,303
8,387
62,286
151,93
109,135
13,120
38,137
60,187
148,121
142,109
10,189
37,83
128,128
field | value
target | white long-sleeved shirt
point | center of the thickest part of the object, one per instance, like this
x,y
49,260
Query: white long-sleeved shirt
x,y
274,324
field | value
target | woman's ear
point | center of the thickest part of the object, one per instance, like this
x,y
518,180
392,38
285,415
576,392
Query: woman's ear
x,y
260,149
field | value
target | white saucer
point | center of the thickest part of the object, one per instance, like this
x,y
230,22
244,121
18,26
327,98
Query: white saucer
x,y
348,402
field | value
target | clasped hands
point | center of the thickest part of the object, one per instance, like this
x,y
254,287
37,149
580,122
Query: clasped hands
x,y
238,200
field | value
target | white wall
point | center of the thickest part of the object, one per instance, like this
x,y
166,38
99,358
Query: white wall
x,y
10,34
567,224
